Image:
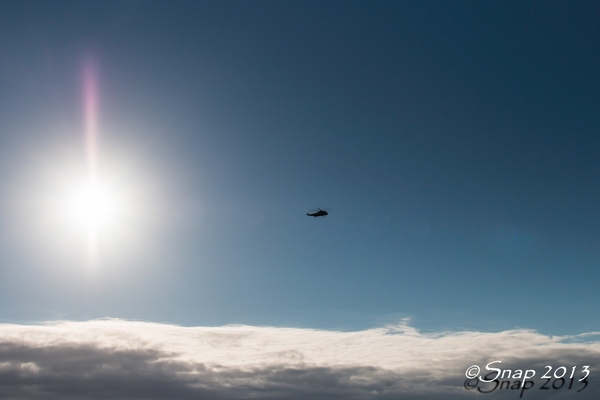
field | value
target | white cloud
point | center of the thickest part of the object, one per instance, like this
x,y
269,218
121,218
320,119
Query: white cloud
x,y
119,359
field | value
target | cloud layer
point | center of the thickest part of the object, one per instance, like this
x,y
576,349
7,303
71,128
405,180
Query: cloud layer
x,y
118,359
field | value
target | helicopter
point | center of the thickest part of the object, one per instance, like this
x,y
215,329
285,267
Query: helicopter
x,y
318,213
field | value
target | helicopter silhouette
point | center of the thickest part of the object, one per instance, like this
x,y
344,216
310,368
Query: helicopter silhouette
x,y
318,213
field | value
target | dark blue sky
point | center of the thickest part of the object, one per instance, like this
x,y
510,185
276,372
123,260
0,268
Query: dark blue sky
x,y
455,142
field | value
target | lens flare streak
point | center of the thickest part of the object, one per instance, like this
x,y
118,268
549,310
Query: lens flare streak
x,y
90,95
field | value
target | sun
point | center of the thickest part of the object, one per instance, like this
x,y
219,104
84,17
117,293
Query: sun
x,y
93,206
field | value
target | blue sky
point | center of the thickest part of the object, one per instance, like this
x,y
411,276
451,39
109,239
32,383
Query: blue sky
x,y
455,143
158,159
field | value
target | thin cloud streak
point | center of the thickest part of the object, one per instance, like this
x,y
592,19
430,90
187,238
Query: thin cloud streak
x,y
120,359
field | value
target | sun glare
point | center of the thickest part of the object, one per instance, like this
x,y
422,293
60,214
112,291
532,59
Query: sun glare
x,y
96,213
93,207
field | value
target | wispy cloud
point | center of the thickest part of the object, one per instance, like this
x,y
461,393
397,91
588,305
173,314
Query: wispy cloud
x,y
119,359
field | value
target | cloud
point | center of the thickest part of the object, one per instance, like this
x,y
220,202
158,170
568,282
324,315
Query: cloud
x,y
117,359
